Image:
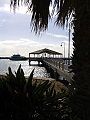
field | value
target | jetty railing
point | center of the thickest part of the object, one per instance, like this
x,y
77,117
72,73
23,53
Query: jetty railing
x,y
58,65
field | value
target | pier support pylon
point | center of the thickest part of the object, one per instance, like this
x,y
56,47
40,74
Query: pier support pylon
x,y
29,62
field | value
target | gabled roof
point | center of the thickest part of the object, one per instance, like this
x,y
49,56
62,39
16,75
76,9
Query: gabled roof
x,y
46,51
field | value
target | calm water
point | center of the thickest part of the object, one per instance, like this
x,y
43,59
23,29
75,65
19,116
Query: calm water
x,y
38,72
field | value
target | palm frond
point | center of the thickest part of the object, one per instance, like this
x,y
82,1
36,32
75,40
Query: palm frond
x,y
64,10
41,13
29,83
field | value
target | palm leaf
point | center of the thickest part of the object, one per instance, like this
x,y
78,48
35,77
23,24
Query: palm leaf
x,y
41,88
20,79
65,9
29,83
41,14
10,78
50,91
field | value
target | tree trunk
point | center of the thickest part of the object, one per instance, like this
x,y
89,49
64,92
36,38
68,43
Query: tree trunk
x,y
81,60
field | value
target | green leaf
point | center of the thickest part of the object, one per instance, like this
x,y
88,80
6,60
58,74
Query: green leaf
x,y
29,83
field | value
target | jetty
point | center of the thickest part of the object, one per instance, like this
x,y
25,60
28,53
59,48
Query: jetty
x,y
54,63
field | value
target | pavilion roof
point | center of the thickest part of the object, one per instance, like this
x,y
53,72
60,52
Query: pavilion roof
x,y
45,50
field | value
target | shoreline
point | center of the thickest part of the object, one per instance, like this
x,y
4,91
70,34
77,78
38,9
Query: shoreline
x,y
58,86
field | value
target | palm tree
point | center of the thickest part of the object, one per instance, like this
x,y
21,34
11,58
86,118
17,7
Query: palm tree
x,y
79,12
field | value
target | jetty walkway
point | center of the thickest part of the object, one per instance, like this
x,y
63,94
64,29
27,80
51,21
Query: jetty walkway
x,y
53,62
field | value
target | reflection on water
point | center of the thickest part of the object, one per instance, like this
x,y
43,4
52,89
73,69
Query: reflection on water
x,y
38,72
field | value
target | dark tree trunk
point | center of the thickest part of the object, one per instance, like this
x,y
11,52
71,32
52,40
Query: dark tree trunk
x,y
81,60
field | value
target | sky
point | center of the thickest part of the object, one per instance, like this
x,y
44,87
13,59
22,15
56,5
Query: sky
x,y
16,36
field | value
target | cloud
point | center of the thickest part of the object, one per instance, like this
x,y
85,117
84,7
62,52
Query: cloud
x,y
19,10
16,35
5,7
23,46
21,41
56,35
2,22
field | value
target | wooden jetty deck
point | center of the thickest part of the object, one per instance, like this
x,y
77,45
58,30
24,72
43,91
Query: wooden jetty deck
x,y
53,62
60,68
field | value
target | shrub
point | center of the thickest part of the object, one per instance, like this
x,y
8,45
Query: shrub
x,y
23,99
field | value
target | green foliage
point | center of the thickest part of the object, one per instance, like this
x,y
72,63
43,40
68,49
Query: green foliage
x,y
25,99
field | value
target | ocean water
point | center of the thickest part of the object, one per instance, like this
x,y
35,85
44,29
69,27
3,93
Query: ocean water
x,y
38,72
